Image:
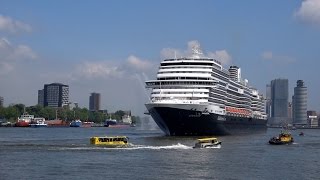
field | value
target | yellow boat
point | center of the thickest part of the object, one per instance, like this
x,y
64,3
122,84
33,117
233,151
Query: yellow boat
x,y
207,143
283,138
110,141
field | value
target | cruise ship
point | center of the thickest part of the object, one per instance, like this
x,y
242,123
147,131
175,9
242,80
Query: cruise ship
x,y
196,96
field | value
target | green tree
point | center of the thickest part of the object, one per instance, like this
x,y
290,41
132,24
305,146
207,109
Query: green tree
x,y
48,113
12,113
19,108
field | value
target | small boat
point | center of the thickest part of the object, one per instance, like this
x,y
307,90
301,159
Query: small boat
x,y
283,138
38,122
75,123
110,122
110,141
301,134
87,124
208,143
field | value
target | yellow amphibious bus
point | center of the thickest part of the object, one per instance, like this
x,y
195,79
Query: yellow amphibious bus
x,y
110,141
207,143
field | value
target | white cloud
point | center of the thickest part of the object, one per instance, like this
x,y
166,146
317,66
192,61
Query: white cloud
x,y
8,24
221,55
5,68
10,55
22,52
268,55
309,11
167,53
108,69
9,52
170,53
138,64
97,70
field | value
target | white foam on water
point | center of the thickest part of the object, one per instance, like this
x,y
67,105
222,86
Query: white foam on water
x,y
130,147
174,146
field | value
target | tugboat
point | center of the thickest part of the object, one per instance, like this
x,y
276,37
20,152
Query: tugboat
x,y
24,120
208,143
283,138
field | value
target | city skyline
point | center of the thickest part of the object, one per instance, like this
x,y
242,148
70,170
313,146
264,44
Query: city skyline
x,y
115,47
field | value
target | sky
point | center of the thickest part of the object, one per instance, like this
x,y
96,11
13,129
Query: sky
x,y
112,47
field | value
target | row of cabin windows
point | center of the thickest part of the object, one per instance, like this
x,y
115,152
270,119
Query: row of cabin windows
x,y
186,63
180,93
112,139
184,67
199,72
185,83
191,78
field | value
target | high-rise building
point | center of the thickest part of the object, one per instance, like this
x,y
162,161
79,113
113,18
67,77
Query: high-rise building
x,y
41,97
1,101
279,102
94,102
56,95
300,104
268,100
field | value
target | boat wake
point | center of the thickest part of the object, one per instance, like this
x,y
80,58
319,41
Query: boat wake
x,y
130,147
174,146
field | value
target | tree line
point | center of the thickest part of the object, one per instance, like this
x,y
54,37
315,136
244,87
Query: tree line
x,y
12,112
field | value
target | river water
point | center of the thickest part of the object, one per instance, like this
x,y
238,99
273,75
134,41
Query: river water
x,y
65,153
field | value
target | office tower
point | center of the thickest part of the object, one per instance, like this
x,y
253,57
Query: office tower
x,y
1,101
268,100
94,102
279,102
300,104
41,97
56,95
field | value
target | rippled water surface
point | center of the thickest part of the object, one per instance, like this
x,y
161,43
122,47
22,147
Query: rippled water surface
x,y
65,153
